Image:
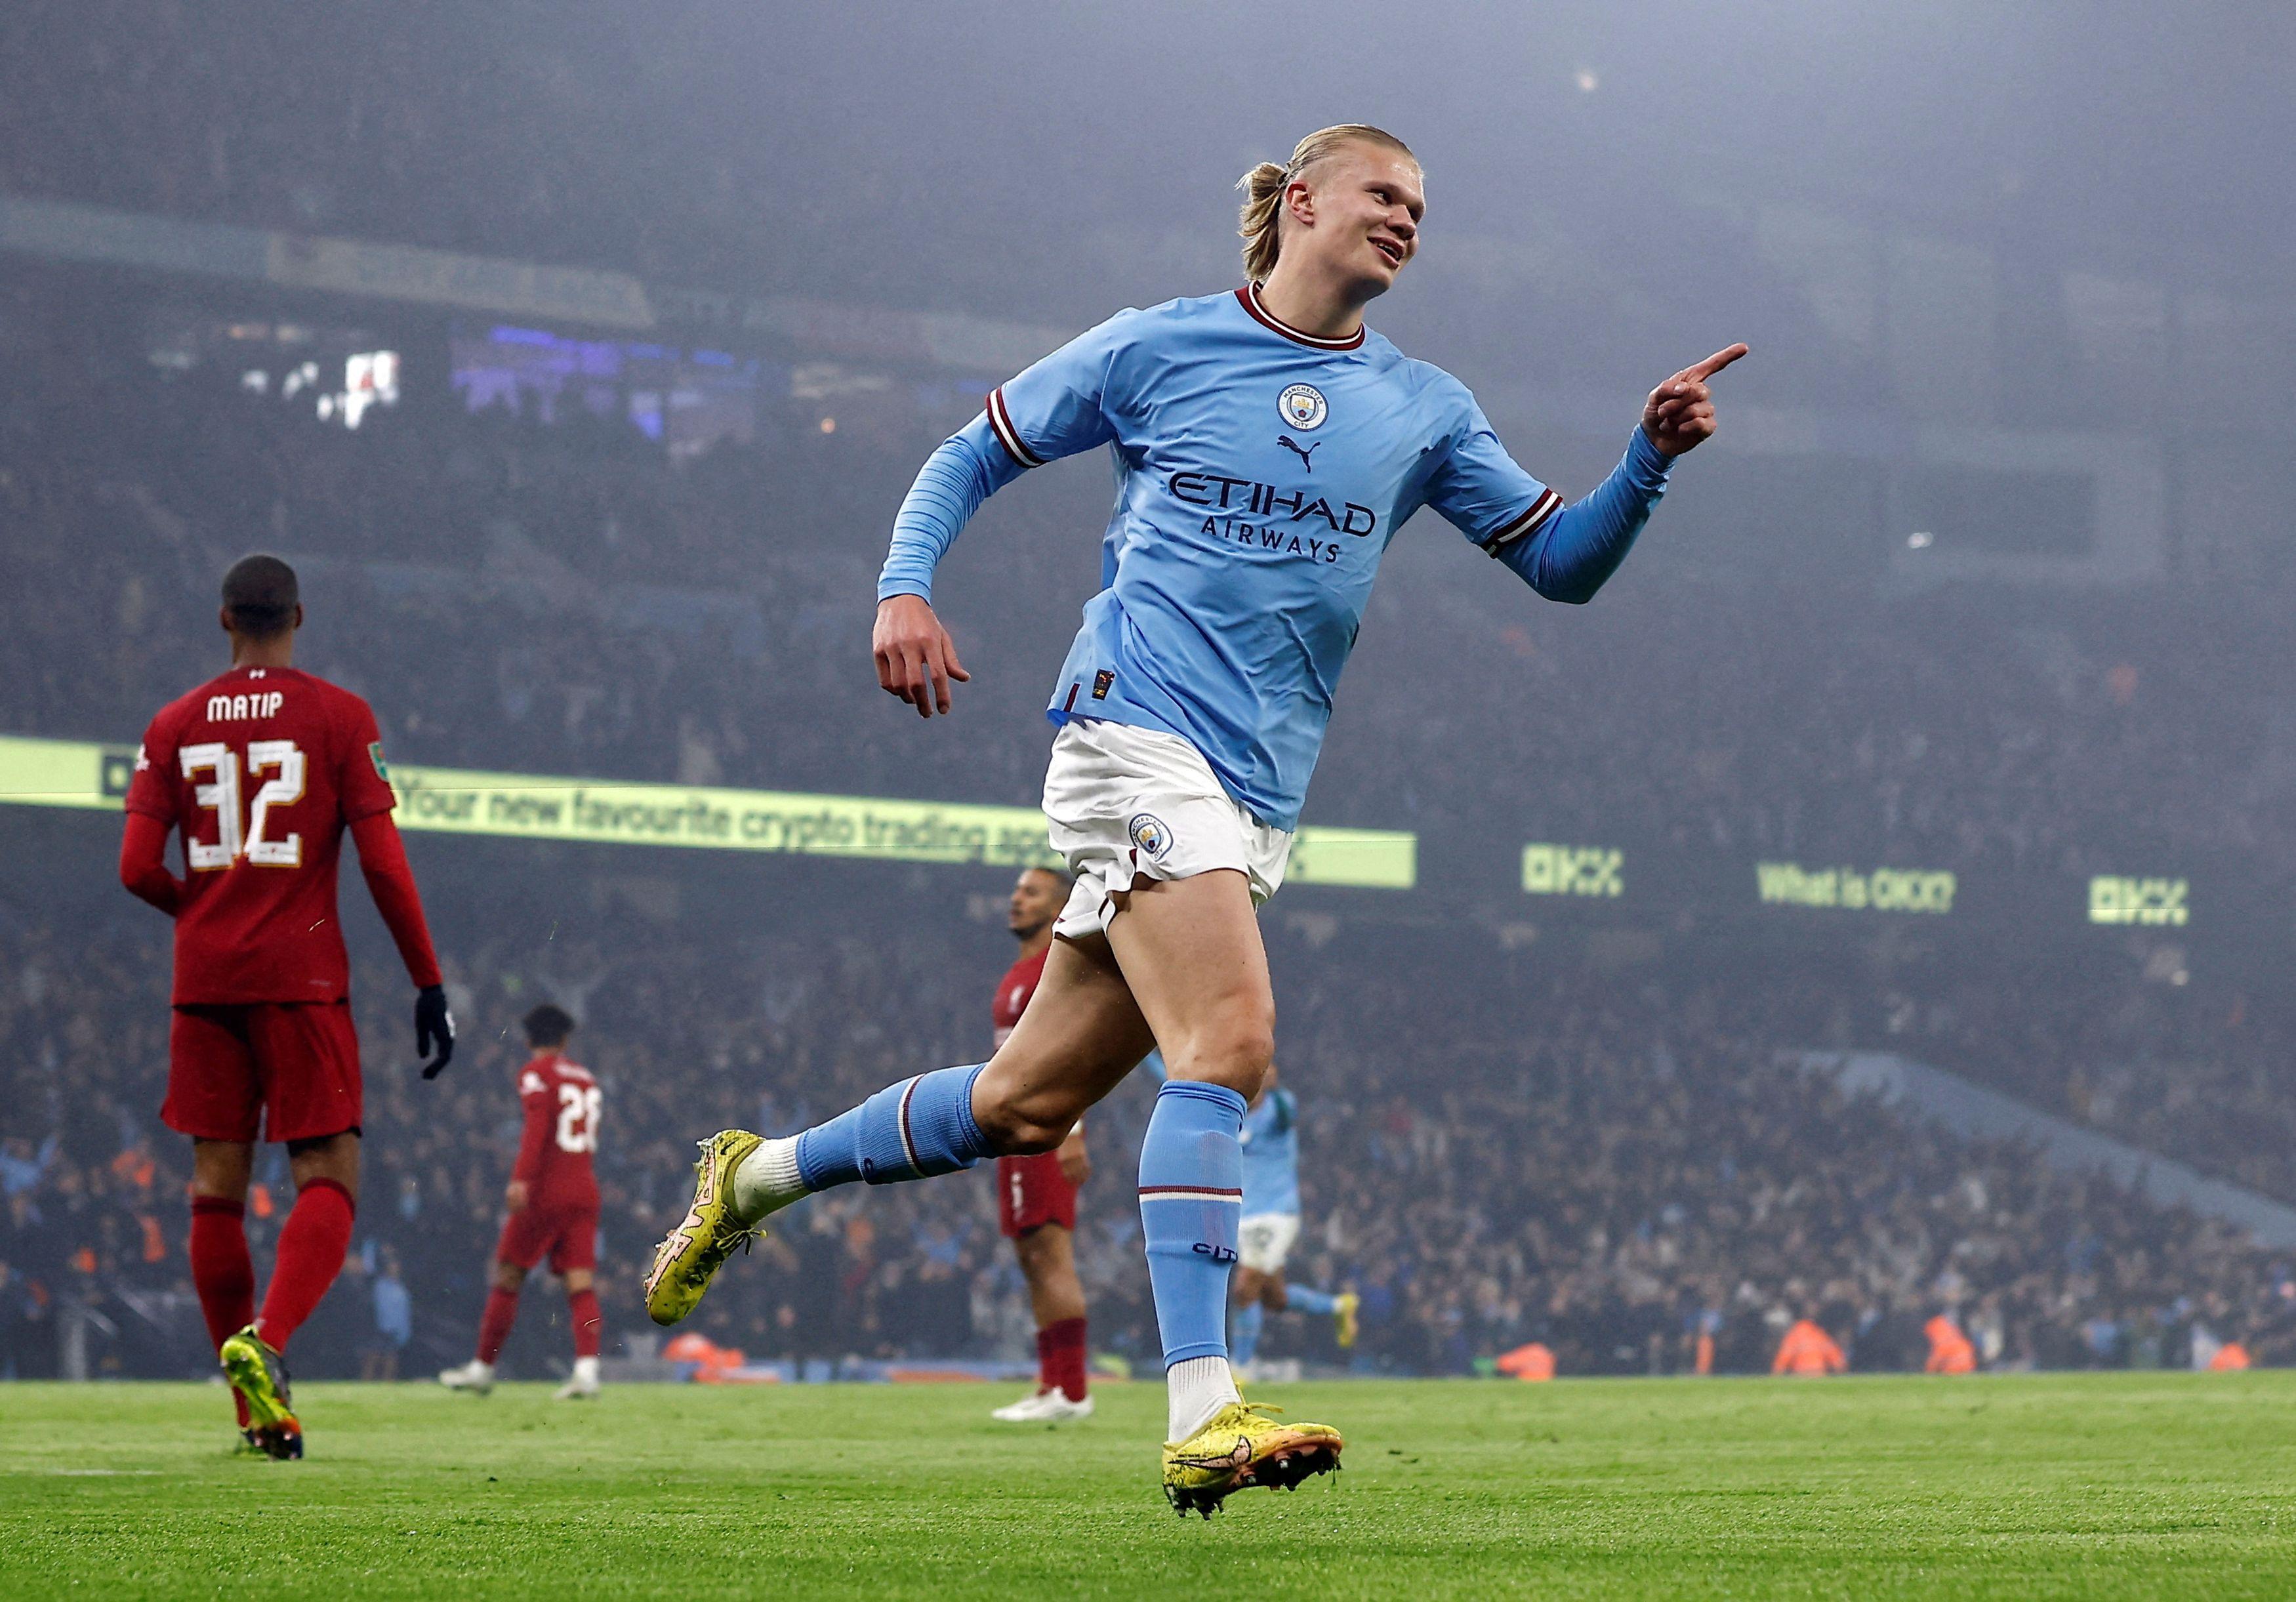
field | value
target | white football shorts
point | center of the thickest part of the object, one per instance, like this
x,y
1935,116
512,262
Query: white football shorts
x,y
1122,803
1263,1242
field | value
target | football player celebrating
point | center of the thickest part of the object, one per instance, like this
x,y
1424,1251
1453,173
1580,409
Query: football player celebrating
x,y
261,770
553,1199
1267,446
1036,1193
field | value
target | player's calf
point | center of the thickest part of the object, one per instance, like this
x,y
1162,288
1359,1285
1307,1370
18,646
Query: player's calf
x,y
914,1130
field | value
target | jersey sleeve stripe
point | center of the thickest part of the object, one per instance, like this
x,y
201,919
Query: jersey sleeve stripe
x,y
908,1142
1545,506
1000,422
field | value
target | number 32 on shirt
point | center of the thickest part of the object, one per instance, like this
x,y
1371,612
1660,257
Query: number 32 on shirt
x,y
220,794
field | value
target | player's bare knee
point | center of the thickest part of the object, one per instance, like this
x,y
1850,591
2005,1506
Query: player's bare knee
x,y
1234,1051
1021,1131
1023,1121
222,1169
509,1277
334,1157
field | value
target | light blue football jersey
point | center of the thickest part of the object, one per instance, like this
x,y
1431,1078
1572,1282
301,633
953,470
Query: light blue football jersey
x,y
1271,1154
1260,473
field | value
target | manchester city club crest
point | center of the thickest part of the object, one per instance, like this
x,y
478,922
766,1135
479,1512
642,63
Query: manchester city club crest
x,y
1303,407
1149,834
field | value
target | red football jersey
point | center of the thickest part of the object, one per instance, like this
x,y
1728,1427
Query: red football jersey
x,y
561,1103
1012,993
261,770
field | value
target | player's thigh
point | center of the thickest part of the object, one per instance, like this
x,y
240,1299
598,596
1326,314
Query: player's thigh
x,y
1080,1035
526,1236
1191,953
307,1055
1046,1251
214,1091
1032,1191
575,1247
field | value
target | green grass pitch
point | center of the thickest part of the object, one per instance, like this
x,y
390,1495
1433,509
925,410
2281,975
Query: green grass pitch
x,y
2138,1485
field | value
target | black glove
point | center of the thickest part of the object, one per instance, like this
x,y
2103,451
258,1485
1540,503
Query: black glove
x,y
434,1025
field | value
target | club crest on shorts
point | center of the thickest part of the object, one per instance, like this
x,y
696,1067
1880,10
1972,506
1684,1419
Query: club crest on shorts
x,y
1149,834
1302,406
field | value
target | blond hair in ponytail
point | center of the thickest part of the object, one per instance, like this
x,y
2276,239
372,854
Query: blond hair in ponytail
x,y
1262,212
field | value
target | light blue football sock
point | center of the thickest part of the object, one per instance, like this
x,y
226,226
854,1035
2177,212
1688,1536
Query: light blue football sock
x,y
1190,1196
912,1130
1300,1299
1244,1332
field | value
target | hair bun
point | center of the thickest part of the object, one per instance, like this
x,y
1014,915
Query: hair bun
x,y
1267,175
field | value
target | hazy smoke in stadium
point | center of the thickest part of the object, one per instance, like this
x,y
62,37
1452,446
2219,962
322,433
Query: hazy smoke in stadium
x,y
1944,711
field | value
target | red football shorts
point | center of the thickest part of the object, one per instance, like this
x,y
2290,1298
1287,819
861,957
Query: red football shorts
x,y
292,1064
569,1233
1033,1191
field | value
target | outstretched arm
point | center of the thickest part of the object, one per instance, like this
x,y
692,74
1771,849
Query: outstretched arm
x,y
143,863
1578,547
1567,553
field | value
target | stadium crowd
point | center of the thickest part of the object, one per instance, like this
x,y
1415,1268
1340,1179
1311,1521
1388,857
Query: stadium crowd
x,y
1617,1183
565,598
1496,1155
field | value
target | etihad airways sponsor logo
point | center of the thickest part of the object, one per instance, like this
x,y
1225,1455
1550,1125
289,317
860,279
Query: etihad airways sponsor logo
x,y
1248,498
1267,517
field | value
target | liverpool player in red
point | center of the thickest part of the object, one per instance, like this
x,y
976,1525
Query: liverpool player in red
x,y
261,770
553,1198
1036,1196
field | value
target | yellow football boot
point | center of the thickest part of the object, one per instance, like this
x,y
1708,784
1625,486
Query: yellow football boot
x,y
1243,1447
259,1375
691,1255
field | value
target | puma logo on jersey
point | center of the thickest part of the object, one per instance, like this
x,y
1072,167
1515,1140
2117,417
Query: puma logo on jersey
x,y
1304,452
232,708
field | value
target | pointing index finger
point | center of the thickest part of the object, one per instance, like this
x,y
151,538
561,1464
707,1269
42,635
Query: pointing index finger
x,y
1715,363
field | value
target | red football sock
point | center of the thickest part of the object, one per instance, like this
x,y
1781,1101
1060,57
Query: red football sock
x,y
588,1325
311,1248
1060,1357
493,1324
222,1272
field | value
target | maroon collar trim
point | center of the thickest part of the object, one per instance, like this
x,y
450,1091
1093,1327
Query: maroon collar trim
x,y
1248,296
